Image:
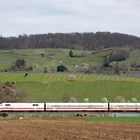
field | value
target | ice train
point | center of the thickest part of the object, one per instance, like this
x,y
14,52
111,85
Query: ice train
x,y
100,107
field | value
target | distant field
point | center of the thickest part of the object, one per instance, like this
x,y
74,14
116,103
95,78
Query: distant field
x,y
113,119
51,87
54,56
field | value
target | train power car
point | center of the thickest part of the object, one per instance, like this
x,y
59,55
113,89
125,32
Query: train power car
x,y
21,107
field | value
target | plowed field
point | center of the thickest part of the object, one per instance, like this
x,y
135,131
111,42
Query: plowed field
x,y
67,129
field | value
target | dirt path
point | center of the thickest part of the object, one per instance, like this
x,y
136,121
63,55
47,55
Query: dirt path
x,y
67,130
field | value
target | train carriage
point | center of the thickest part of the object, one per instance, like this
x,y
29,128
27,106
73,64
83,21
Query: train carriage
x,y
138,106
77,107
122,107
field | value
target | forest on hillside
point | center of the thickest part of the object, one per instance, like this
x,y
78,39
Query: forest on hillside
x,y
90,41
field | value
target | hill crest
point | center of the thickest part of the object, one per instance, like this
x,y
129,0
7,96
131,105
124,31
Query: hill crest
x,y
90,41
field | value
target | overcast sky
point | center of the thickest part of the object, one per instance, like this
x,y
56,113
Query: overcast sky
x,y
44,16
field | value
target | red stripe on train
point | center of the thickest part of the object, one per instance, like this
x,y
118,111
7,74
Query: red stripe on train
x,y
123,108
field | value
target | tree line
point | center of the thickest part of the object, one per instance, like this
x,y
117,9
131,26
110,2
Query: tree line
x,y
90,41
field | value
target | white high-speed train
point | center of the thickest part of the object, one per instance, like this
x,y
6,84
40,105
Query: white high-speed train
x,y
6,107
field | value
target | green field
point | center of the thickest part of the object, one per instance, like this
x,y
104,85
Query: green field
x,y
113,119
51,87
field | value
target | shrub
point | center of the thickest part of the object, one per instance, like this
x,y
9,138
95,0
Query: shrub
x,y
73,100
72,77
7,83
45,70
34,66
117,55
8,93
30,68
104,100
84,67
71,54
86,100
117,68
19,65
61,68
134,100
119,99
42,55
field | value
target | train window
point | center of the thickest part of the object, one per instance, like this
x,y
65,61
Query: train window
x,y
55,106
7,104
131,106
35,104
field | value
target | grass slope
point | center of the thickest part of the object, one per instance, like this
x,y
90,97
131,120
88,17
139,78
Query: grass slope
x,y
52,57
51,87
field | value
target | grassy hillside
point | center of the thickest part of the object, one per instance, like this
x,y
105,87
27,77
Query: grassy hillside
x,y
52,57
52,87
134,58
